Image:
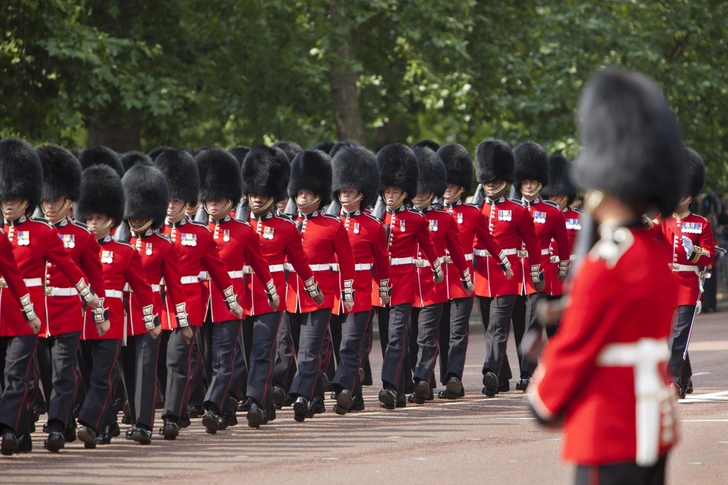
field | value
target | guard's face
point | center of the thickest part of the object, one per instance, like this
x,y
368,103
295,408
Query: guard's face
x,y
530,187
10,206
215,206
258,201
96,221
137,222
559,199
347,195
281,204
306,201
55,210
494,185
176,209
451,190
392,195
421,199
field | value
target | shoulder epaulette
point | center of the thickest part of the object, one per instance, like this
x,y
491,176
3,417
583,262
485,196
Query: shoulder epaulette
x,y
414,211
123,243
81,225
442,211
331,216
245,223
166,237
201,224
41,220
474,206
284,217
551,203
375,218
519,202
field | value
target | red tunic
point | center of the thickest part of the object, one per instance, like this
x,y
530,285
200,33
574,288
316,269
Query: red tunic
x,y
444,235
35,243
280,242
697,229
512,226
407,229
239,249
326,243
121,265
159,260
572,217
471,223
12,278
550,224
610,349
65,311
197,252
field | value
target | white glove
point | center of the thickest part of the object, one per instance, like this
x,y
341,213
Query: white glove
x,y
688,246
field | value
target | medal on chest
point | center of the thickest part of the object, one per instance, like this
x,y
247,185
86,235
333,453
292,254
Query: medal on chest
x,y
148,249
69,241
356,228
268,233
402,225
460,217
107,257
505,215
573,224
226,235
692,227
23,238
188,239
539,217
433,226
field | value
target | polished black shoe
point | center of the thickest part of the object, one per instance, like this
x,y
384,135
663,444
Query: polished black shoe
x,y
316,406
55,442
244,406
212,422
289,400
333,395
490,381
689,387
195,411
88,435
108,432
141,435
521,385
401,400
230,419
328,387
256,416
70,434
422,392
388,398
184,422
113,429
46,428
170,430
39,410
409,386
127,413
367,381
129,431
126,419
504,386
279,397
9,443
361,375
25,444
357,404
344,402
301,409
454,388
159,403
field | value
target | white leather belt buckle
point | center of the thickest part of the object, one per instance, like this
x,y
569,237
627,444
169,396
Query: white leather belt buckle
x,y
188,280
114,294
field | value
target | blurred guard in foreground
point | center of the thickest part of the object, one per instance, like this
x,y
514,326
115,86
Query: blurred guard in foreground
x,y
604,376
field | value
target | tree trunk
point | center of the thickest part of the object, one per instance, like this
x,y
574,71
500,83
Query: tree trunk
x,y
120,132
344,95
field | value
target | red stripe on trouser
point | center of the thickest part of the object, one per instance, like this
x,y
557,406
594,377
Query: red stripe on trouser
x,y
111,388
318,354
270,359
232,366
25,385
185,389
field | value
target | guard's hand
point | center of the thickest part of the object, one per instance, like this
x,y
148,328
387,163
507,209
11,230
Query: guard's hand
x,y
540,285
187,334
274,303
103,327
470,289
384,301
509,273
94,303
688,246
34,325
439,279
156,331
319,299
348,306
562,277
238,312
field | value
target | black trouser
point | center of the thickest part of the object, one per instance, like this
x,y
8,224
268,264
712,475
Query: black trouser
x,y
260,370
63,350
286,347
454,335
224,342
353,351
140,375
328,355
178,370
496,315
622,474
307,382
15,398
383,325
162,363
201,364
680,369
427,320
103,378
239,386
395,353
84,361
552,329
43,375
336,329
525,320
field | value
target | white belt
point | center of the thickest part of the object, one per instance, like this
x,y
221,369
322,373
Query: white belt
x,y
320,267
239,274
335,267
277,268
362,266
555,259
29,282
422,263
188,280
684,267
114,294
651,393
400,261
485,254
203,276
62,291
545,252
469,257
156,288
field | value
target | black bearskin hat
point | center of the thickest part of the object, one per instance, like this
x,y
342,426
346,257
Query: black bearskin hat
x,y
100,155
219,175
146,194
432,173
61,173
21,172
494,160
355,167
324,146
696,173
341,145
560,179
631,139
290,148
101,193
76,152
532,163
129,159
432,145
194,151
458,164
311,170
266,171
180,170
239,153
398,168
155,153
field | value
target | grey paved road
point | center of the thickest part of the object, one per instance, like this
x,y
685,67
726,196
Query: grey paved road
x,y
473,440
